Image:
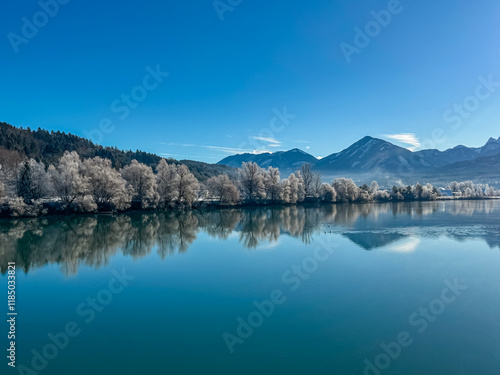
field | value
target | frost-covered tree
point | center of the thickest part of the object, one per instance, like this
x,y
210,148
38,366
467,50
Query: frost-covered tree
x,y
106,185
489,191
32,181
454,187
301,191
365,194
141,181
285,191
382,195
68,181
294,188
223,189
272,184
466,189
251,181
290,189
167,180
204,194
346,189
378,195
316,185
417,191
187,185
308,177
41,180
17,207
429,192
328,193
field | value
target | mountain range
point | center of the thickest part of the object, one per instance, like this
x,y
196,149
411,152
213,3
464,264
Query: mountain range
x,y
372,158
366,160
284,160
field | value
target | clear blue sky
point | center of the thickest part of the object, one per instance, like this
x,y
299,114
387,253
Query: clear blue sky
x,y
228,78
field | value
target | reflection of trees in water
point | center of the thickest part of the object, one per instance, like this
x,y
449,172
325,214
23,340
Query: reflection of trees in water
x,y
258,225
347,214
92,240
219,223
415,209
470,207
34,243
140,235
267,224
72,241
176,232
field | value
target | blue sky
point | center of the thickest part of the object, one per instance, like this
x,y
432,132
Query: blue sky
x,y
257,76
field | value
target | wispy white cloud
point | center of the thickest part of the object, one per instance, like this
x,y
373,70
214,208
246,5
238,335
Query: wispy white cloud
x,y
183,144
227,150
267,139
406,138
190,156
308,147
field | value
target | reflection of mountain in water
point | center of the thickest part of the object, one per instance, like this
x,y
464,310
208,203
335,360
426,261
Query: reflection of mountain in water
x,y
459,220
92,240
372,240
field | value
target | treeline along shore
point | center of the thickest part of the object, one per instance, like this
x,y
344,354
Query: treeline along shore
x,y
74,185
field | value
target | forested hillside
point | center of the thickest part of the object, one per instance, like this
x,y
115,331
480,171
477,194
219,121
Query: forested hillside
x,y
48,147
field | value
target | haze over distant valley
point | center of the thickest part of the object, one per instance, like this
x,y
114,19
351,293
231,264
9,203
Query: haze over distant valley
x,y
376,159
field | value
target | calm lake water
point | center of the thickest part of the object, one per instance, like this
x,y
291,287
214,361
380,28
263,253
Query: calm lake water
x,y
342,289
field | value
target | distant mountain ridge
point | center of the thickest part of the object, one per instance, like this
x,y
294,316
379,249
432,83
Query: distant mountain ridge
x,y
371,155
461,153
486,166
377,158
284,160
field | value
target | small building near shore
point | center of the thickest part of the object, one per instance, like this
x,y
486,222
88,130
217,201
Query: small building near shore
x,y
445,192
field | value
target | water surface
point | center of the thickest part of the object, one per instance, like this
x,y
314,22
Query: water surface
x,y
347,280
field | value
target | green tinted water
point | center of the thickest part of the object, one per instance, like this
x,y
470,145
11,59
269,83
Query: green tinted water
x,y
348,289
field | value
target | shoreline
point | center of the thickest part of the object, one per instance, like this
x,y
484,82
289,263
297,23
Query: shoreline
x,y
53,208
